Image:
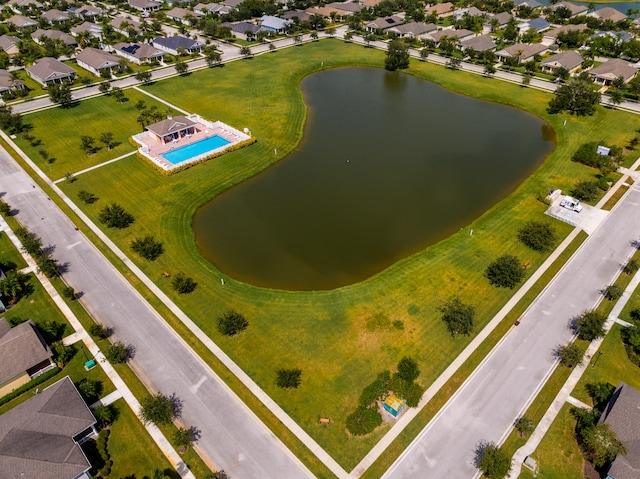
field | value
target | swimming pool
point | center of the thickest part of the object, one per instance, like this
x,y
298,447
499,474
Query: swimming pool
x,y
188,152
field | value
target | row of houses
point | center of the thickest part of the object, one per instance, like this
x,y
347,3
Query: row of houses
x,y
49,70
40,437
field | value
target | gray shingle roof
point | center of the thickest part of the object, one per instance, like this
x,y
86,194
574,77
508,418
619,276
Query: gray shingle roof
x,y
623,415
97,59
170,125
480,43
36,437
569,60
21,348
48,69
614,68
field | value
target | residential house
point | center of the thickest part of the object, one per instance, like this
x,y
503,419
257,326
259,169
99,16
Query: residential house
x,y
569,60
19,5
327,12
533,4
500,20
609,14
470,11
572,7
538,24
145,6
370,3
243,28
88,12
301,15
481,43
126,26
8,84
23,353
524,52
94,29
622,414
49,70
54,35
449,33
211,9
611,70
55,16
97,61
232,3
384,23
620,37
9,44
40,437
440,9
173,44
22,22
139,53
346,8
550,36
273,24
413,29
182,15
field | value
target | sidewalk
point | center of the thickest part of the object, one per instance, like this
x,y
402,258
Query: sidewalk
x,y
564,395
81,335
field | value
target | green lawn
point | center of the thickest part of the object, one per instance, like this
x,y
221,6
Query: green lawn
x,y
38,306
10,257
340,339
133,452
59,132
558,454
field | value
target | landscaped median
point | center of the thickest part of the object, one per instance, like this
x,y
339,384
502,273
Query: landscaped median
x,y
339,339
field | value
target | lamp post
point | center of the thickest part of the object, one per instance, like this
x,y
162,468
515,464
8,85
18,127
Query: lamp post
x,y
596,360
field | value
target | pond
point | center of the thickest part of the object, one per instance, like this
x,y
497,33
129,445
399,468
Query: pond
x,y
389,165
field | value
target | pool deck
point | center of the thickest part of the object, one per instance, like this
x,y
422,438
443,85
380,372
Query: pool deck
x,y
153,148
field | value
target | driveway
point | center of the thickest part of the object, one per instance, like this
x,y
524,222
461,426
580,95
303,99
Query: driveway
x,y
502,387
233,438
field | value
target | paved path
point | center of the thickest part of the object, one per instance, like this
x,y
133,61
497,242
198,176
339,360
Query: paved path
x,y
80,334
409,415
564,395
233,438
509,378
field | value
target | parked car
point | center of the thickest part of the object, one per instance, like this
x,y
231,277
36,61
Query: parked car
x,y
571,204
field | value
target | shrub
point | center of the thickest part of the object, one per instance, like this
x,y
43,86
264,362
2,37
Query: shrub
x,y
492,461
62,354
587,155
570,355
363,420
524,426
288,378
86,197
5,209
69,293
613,292
408,369
98,331
147,247
51,330
47,265
458,316
105,415
117,353
631,267
184,437
90,390
408,390
376,390
600,393
585,190
590,325
160,409
183,284
537,235
505,272
232,323
114,216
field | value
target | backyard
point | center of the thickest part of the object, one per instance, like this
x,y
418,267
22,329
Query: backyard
x,y
342,338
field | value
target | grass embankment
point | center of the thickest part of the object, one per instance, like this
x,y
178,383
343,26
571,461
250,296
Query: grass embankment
x,y
340,338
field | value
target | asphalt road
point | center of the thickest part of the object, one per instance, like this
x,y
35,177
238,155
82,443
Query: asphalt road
x,y
487,405
232,438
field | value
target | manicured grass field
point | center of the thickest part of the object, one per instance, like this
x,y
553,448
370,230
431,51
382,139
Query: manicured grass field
x,y
10,257
59,132
340,339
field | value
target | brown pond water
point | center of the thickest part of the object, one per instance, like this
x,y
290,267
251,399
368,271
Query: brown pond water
x,y
389,165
